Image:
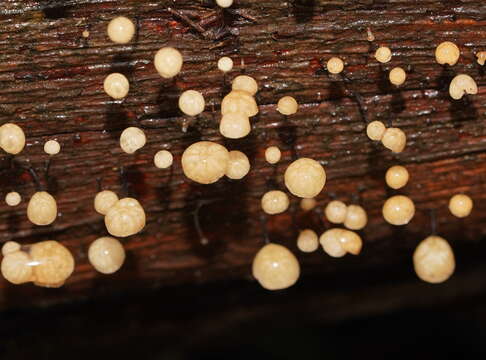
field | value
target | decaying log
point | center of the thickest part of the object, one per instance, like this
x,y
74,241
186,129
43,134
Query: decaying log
x,y
51,84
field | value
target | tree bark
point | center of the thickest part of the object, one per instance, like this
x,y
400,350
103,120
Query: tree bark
x,y
51,84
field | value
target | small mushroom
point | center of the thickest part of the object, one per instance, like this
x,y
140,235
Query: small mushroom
x,y
375,130
132,139
397,76
394,139
275,202
239,101
447,53
245,83
460,205
273,155
42,208
121,30
168,62
191,102
225,64
104,200
462,84
125,218
53,263
397,177
106,254
13,198
234,125
12,138
383,54
335,65
287,105
305,178
433,260
356,217
335,212
238,165
163,159
116,85
308,204
398,210
307,241
205,162
52,147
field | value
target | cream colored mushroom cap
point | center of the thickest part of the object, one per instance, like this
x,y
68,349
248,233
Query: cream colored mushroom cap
x,y
394,139
121,30
239,101
163,159
12,138
356,218
273,155
307,241
106,254
191,102
54,263
168,62
116,85
375,130
397,177
245,83
305,178
398,210
125,218
462,84
13,198
331,244
205,162
132,139
42,208
433,260
447,53
238,165
460,205
287,105
15,267
335,211
275,267
275,202
104,200
10,247
383,54
234,125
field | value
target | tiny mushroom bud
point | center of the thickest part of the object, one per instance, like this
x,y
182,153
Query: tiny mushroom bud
x,y
462,84
168,62
273,155
125,218
245,83
132,139
116,85
224,3
239,101
121,30
398,210
305,178
275,267
433,260
104,200
12,138
191,102
396,177
163,159
16,267
52,147
287,105
375,130
460,205
13,198
335,211
238,165
205,162
307,241
85,34
106,254
394,139
356,217
307,204
447,53
234,125
481,57
383,54
225,64
335,65
10,247
397,76
275,202
54,263
42,208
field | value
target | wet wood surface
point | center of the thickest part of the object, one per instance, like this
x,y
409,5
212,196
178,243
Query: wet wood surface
x,y
51,84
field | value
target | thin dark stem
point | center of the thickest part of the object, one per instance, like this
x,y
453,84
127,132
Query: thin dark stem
x,y
433,221
124,181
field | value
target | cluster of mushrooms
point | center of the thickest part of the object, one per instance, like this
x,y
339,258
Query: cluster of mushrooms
x,y
49,263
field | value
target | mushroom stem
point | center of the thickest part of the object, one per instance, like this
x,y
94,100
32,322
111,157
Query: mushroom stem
x,y
36,179
124,182
433,222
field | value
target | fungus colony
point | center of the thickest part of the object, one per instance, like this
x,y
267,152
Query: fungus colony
x,y
49,263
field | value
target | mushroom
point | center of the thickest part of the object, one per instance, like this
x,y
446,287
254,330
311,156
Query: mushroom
x,y
132,139
383,54
205,162
53,263
307,204
394,139
125,218
191,102
335,212
397,76
447,53
275,202
335,65
307,241
433,260
245,83
163,159
356,217
225,64
396,177
121,30
305,178
42,208
273,155
168,62
52,147
462,84
116,85
398,210
239,101
12,138
287,105
460,205
106,254
238,165
234,125
104,200
375,130
13,198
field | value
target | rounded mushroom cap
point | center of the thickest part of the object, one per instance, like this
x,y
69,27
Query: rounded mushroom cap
x,y
397,177
163,159
10,247
191,102
42,208
104,200
234,125
307,241
447,53
460,205
335,211
224,3
275,202
287,105
52,147
54,263
16,267
394,139
335,65
375,130
13,198
433,260
238,165
356,217
273,154
12,138
205,162
398,210
308,204
383,54
350,241
331,244
245,83
275,267
106,254
239,101
305,178
125,218
132,139
116,85
397,76
462,84
168,62
121,30
225,64
481,57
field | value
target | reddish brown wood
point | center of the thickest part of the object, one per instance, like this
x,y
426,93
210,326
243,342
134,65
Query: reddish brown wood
x,y
51,84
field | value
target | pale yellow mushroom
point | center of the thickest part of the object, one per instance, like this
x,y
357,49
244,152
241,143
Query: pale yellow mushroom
x,y
287,105
205,162
12,138
116,85
104,200
307,241
335,212
397,177
245,83
10,247
460,205
398,210
163,159
394,139
106,254
397,76
42,208
13,198
356,218
132,139
121,30
275,267
462,84
275,202
234,125
383,54
168,62
305,178
225,64
52,147
307,204
224,3
238,165
481,57
53,263
335,65
16,267
375,130
191,102
331,244
447,53
239,101
433,260
273,155
125,218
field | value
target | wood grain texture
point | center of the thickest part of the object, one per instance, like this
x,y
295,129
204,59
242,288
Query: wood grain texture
x,y
51,84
